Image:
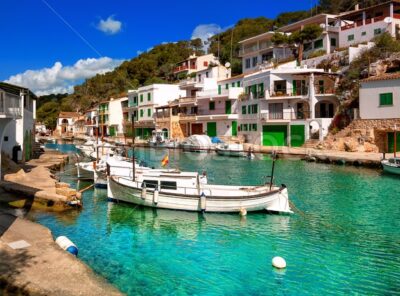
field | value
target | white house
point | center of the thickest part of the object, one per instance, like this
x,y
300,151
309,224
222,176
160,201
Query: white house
x,y
380,97
194,64
117,107
17,121
286,106
65,123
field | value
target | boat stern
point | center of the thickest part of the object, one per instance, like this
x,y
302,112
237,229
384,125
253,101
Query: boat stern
x,y
281,203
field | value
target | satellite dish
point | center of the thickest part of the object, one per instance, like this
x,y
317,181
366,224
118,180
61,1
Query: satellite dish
x,y
227,65
388,20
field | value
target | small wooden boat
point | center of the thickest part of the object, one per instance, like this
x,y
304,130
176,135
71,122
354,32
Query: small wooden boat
x,y
391,165
190,192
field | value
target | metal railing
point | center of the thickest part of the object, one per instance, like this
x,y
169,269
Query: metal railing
x,y
287,115
290,92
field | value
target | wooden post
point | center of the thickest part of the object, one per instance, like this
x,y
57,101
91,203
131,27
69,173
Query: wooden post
x,y
395,140
273,169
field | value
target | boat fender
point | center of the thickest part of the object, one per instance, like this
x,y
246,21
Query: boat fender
x,y
242,212
67,245
278,262
155,196
144,192
203,202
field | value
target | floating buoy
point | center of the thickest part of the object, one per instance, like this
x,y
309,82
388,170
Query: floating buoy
x,y
203,201
242,212
155,197
67,245
278,262
144,192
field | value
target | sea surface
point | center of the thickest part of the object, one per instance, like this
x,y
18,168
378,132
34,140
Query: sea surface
x,y
343,239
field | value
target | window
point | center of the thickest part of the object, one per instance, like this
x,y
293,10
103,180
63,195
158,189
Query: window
x,y
199,78
205,64
238,84
141,98
148,112
307,46
248,63
168,185
249,109
318,44
206,74
135,101
227,86
233,84
255,127
150,184
243,109
333,42
377,31
363,33
350,37
148,96
5,139
255,61
211,106
386,99
254,109
141,113
219,89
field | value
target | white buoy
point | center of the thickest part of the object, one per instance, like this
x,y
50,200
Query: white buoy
x,y
67,245
243,212
203,201
144,192
155,197
278,262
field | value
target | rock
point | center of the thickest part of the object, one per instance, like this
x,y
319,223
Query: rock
x,y
62,185
67,192
350,145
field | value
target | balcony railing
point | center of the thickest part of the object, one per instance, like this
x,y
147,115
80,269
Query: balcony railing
x,y
360,23
321,90
10,105
290,92
287,115
184,68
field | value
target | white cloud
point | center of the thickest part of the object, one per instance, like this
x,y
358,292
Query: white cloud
x,y
61,79
206,31
110,26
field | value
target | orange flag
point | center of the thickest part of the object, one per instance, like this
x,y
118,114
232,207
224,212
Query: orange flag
x,y
165,161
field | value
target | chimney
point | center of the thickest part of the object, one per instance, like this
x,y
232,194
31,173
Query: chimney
x,y
357,7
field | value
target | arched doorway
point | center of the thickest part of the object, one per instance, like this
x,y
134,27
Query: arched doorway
x,y
301,110
64,125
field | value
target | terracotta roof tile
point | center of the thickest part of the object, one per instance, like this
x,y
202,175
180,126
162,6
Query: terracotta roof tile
x,y
386,76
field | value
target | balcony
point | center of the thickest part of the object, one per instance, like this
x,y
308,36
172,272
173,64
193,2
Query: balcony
x,y
252,96
290,92
10,106
187,117
183,68
360,23
287,115
190,82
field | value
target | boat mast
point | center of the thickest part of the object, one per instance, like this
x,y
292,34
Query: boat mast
x,y
395,140
97,135
133,145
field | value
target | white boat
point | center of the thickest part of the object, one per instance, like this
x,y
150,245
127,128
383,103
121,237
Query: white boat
x,y
157,139
197,143
391,165
230,149
190,192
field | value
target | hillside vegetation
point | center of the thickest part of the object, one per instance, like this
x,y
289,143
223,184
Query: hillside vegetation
x,y
155,66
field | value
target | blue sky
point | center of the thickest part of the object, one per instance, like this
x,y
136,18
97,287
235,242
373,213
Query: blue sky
x,y
57,37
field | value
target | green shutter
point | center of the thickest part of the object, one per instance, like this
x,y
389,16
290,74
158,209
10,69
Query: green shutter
x,y
149,97
243,109
249,109
148,112
211,105
234,128
228,107
238,84
294,87
386,99
391,142
254,91
274,135
227,86
233,84
297,135
219,89
211,129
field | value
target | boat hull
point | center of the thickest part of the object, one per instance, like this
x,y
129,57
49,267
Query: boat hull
x,y
391,169
273,201
231,153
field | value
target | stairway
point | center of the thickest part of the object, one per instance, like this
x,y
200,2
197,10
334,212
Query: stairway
x,y
36,150
311,143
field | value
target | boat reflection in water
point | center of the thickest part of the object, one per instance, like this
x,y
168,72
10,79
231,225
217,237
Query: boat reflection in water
x,y
188,225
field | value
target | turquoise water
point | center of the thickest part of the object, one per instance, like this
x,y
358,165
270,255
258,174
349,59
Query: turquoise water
x,y
343,240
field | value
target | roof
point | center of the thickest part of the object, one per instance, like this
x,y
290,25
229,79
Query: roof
x,y
232,78
386,76
15,89
266,34
307,21
68,114
358,11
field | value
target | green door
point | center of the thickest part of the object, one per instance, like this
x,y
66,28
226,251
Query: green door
x,y
228,107
212,129
112,131
297,135
274,135
391,142
234,128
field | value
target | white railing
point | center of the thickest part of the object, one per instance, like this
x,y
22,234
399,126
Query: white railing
x,y
10,105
